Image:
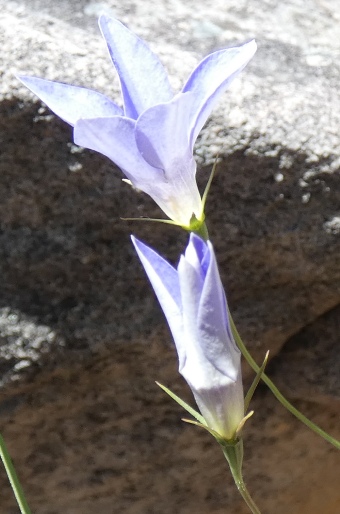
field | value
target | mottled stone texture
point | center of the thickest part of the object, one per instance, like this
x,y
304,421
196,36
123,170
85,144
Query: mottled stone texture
x,y
81,336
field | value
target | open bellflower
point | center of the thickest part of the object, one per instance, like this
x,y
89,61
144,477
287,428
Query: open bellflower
x,y
152,137
194,303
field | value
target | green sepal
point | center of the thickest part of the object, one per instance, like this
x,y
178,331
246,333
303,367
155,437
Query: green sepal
x,y
255,383
183,404
233,452
243,421
168,222
207,187
232,449
212,432
197,226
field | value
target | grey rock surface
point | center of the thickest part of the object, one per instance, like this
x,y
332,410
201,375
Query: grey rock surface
x,y
76,312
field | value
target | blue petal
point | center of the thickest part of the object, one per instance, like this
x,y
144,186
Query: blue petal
x,y
217,343
144,81
201,250
211,78
162,138
160,268
163,131
164,280
114,137
71,103
191,284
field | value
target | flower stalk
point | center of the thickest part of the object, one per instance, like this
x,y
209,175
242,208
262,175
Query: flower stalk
x,y
233,452
13,478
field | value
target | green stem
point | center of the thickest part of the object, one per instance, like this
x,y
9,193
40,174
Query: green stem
x,y
13,478
277,393
201,231
234,454
246,496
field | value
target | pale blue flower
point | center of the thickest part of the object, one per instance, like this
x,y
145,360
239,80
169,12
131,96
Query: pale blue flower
x,y
152,137
194,303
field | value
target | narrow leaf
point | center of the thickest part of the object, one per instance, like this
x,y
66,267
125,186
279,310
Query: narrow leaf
x,y
168,222
254,385
241,424
183,404
212,432
207,187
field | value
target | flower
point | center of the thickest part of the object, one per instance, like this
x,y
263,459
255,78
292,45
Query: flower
x,y
194,303
152,137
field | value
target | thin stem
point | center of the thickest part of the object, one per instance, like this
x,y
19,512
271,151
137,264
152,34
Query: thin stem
x,y
241,486
277,393
233,452
13,478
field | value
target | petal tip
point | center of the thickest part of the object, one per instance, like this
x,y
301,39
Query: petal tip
x,y
251,46
103,19
26,79
104,22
